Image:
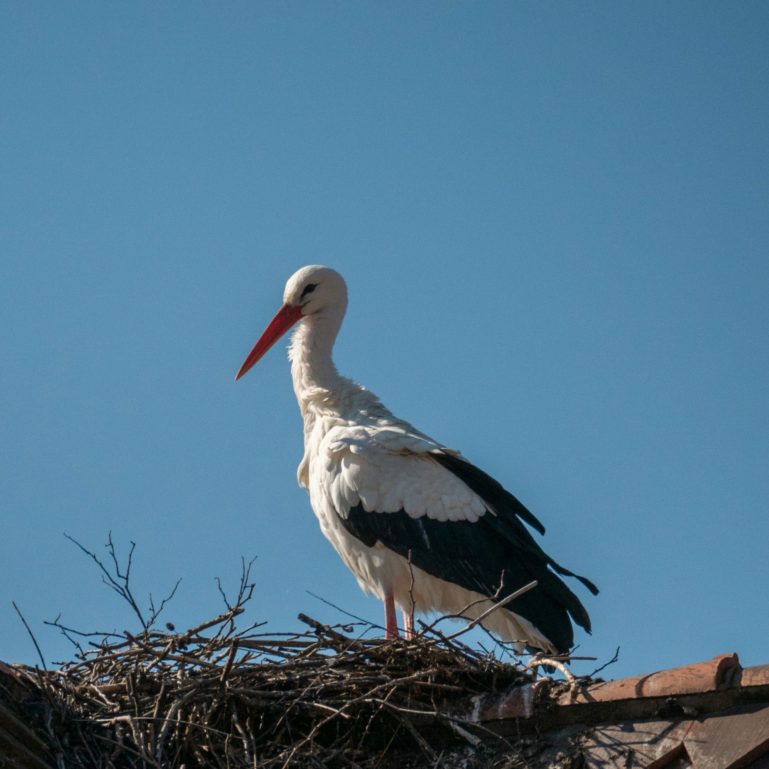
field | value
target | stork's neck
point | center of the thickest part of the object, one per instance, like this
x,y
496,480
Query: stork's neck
x,y
316,380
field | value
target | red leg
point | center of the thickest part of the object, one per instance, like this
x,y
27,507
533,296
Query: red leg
x,y
391,626
408,624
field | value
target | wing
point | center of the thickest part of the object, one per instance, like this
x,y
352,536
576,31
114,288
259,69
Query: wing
x,y
385,471
507,509
453,520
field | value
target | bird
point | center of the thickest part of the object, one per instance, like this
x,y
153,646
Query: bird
x,y
419,525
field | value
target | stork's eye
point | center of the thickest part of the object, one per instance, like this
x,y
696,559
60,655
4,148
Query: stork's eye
x,y
308,289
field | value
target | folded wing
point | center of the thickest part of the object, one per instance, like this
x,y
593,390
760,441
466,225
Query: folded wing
x,y
452,520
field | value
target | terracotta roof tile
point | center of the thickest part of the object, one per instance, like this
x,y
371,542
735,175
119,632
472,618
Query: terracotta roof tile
x,y
642,744
691,679
710,715
729,740
734,739
755,676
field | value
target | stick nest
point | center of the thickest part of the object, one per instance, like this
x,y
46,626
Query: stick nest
x,y
217,696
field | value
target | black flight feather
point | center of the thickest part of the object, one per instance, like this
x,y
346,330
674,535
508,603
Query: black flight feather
x,y
500,501
494,555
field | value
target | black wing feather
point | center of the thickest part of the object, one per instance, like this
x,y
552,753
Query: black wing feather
x,y
506,507
482,555
491,491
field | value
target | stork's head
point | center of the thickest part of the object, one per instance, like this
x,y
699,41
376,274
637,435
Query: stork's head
x,y
311,291
315,288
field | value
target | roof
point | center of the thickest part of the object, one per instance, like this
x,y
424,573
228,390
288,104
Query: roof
x,y
709,715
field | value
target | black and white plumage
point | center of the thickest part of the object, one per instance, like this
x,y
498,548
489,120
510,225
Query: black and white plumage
x,y
416,523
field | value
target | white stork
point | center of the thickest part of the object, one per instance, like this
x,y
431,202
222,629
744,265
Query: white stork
x,y
415,522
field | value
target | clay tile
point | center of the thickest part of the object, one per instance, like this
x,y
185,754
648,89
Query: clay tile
x,y
636,744
689,679
730,739
755,676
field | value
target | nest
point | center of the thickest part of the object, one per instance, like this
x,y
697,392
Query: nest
x,y
244,699
219,696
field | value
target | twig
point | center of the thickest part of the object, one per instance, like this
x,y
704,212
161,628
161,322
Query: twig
x,y
370,624
412,603
31,635
155,613
114,582
605,664
500,604
230,659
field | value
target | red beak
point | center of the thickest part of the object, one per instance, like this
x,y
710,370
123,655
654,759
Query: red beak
x,y
286,316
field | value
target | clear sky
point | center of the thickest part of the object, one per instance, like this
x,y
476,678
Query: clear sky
x,y
554,222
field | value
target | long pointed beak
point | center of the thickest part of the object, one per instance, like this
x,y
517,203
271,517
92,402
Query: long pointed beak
x,y
286,316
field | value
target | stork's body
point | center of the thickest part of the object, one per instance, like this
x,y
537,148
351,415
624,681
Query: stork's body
x,y
417,524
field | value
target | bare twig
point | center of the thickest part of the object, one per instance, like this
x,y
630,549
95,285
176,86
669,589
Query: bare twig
x,y
371,625
605,664
412,603
31,634
499,605
155,613
119,581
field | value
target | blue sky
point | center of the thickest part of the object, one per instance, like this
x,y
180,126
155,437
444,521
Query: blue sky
x,y
554,224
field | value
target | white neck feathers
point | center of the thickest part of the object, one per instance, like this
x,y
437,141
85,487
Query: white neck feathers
x,y
316,380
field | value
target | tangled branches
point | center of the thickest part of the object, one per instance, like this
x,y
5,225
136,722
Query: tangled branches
x,y
214,696
217,696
